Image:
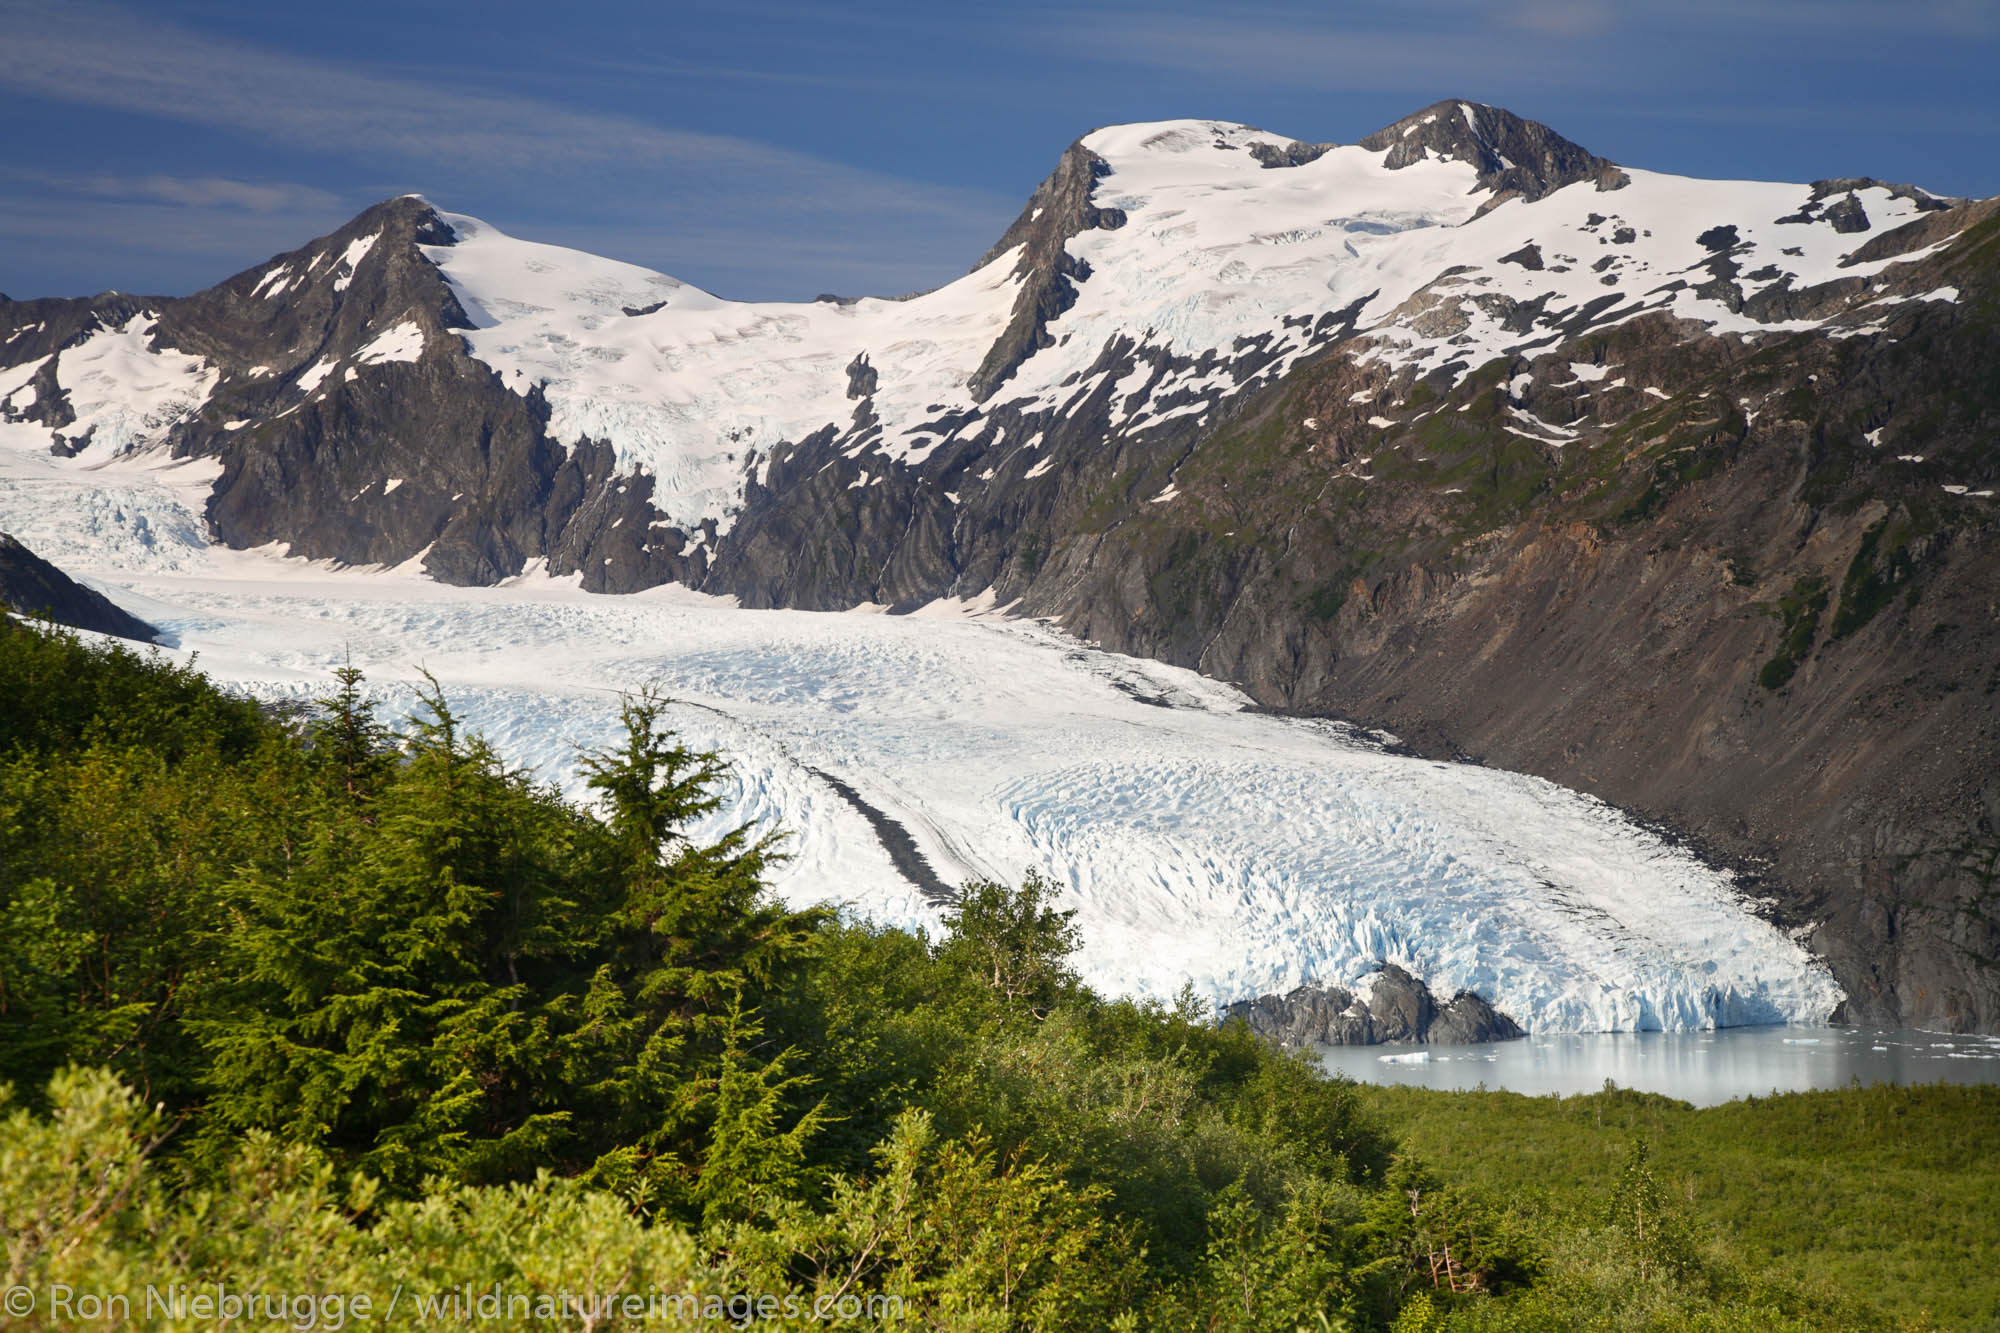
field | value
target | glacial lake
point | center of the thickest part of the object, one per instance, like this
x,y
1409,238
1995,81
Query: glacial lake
x,y
1704,1068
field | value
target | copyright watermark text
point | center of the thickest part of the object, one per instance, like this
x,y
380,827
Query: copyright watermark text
x,y
59,1304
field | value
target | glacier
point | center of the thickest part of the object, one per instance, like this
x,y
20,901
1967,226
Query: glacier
x,y
1200,840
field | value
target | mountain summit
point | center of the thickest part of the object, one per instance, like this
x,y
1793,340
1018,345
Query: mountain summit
x,y
1512,156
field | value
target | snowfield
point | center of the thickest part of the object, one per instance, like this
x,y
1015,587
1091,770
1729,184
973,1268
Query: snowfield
x,y
1217,253
1199,841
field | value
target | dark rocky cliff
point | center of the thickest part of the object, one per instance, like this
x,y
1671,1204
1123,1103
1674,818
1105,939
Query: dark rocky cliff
x,y
1514,156
31,586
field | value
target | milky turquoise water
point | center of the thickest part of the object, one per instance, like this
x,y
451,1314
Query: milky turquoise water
x,y
1700,1067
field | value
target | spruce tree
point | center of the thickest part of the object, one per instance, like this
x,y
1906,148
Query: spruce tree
x,y
697,943
443,968
394,991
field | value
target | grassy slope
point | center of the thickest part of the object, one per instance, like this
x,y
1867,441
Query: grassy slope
x,y
1886,1195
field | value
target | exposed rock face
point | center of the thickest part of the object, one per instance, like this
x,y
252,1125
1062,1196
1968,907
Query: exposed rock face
x,y
861,377
1293,154
477,479
1513,155
1060,208
1652,610
1399,1009
31,586
1468,1019
352,426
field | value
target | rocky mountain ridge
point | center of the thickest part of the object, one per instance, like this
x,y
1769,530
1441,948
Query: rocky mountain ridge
x,y
1677,492
32,587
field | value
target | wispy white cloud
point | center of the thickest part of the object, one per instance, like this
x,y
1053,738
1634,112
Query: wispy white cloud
x,y
101,55
1441,47
470,145
1559,18
1806,20
88,245
671,67
1437,48
198,192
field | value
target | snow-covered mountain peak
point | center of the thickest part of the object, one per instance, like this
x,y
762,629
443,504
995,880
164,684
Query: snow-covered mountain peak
x,y
1215,145
1170,264
1162,270
499,277
1217,168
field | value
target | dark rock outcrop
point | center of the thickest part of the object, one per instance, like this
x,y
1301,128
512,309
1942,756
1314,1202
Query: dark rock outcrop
x,y
1400,1010
1845,186
1291,154
1512,155
861,377
1846,214
1468,1019
1060,208
30,586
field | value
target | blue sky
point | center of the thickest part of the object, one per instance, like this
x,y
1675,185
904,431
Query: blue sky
x,y
771,150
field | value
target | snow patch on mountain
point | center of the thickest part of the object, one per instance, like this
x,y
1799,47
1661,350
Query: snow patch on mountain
x,y
275,283
117,517
125,392
691,388
17,395
351,258
400,342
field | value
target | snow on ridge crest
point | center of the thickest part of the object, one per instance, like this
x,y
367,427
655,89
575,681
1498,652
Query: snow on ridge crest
x,y
1212,139
1219,247
684,384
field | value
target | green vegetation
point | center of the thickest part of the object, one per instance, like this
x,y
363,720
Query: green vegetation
x,y
1033,550
1800,610
1323,603
1693,449
307,1004
1888,1195
1873,579
1741,567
